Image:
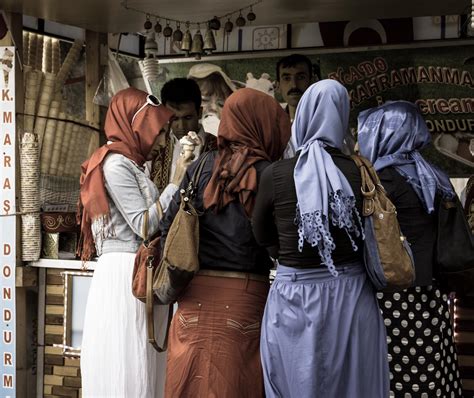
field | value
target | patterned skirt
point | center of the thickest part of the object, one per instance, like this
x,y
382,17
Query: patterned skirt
x,y
421,352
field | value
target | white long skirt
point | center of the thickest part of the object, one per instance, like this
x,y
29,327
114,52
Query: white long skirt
x,y
116,359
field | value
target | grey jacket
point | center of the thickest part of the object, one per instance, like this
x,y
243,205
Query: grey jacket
x,y
130,194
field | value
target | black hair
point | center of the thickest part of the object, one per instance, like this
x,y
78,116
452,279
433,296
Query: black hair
x,y
180,90
293,60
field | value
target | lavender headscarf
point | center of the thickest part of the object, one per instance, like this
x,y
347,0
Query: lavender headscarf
x,y
323,192
391,135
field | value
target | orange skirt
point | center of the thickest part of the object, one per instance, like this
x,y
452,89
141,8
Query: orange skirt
x,y
214,340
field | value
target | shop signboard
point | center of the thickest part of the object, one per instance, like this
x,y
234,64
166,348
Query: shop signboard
x,y
439,79
7,222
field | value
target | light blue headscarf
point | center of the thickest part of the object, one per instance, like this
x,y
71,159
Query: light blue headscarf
x,y
323,192
391,135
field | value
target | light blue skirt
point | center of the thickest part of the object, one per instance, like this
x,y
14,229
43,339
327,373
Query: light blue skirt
x,y
323,336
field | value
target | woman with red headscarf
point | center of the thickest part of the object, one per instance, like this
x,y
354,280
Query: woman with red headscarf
x,y
214,340
116,360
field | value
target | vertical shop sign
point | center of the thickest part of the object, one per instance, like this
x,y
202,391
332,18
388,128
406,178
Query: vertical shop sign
x,y
7,222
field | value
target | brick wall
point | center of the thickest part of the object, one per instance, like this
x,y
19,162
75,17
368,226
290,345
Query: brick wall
x,y
62,376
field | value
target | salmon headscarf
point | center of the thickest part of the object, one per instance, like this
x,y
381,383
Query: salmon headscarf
x,y
253,127
132,140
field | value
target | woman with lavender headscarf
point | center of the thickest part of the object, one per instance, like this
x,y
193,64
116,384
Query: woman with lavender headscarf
x,y
322,333
422,355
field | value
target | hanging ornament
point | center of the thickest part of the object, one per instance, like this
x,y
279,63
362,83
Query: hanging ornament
x,y
251,15
209,42
196,48
177,34
215,24
167,31
240,21
147,25
158,27
151,46
187,41
228,26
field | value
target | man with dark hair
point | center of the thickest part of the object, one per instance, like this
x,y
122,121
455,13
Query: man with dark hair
x,y
294,74
183,97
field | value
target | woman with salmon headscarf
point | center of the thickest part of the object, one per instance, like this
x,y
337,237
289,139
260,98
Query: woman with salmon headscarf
x,y
213,346
116,360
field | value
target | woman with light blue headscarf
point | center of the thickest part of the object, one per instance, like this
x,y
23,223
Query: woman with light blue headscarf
x,y
322,332
422,355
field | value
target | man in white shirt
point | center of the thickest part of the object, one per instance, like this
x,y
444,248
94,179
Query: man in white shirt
x,y
183,97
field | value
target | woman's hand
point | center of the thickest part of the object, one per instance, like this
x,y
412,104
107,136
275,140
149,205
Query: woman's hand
x,y
181,166
188,144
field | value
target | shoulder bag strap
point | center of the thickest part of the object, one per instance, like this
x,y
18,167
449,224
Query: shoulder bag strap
x,y
150,322
149,313
368,175
191,188
371,171
145,228
368,186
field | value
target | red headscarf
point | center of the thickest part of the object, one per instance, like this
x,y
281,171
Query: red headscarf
x,y
133,141
253,127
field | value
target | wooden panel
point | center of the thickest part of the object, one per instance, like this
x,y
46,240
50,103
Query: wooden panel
x,y
464,325
465,337
72,362
468,384
65,371
51,339
54,319
464,302
54,280
54,329
72,382
467,372
464,313
54,299
26,277
466,360
53,380
94,72
55,289
55,310
65,391
53,350
53,360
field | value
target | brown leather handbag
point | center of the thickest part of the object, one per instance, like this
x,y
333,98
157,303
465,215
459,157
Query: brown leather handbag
x,y
180,260
387,255
147,260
